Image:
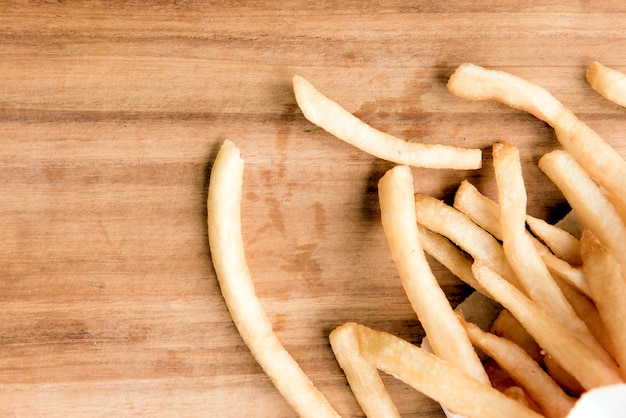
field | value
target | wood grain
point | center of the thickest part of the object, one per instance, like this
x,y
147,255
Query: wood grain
x,y
110,116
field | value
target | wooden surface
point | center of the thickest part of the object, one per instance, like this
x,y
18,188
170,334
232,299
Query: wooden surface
x,y
111,114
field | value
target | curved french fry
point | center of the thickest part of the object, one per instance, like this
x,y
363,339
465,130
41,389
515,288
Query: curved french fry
x,y
610,83
334,119
436,378
599,159
227,252
444,330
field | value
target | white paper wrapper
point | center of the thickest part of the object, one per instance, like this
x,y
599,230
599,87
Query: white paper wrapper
x,y
606,402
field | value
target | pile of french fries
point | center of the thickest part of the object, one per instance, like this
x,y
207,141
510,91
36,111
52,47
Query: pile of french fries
x,y
559,333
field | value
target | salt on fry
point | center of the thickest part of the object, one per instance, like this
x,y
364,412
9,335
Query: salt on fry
x,y
330,116
443,329
227,252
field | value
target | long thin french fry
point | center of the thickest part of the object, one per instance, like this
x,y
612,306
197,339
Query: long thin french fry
x,y
524,370
486,213
608,287
363,377
448,255
334,119
519,248
587,311
436,378
454,225
444,330
599,159
585,197
558,341
227,252
563,244
479,208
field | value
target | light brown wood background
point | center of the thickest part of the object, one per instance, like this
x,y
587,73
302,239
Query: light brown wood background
x,y
110,117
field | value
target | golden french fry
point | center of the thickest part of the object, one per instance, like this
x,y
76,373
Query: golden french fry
x,y
558,341
571,224
227,252
506,326
436,378
486,213
588,312
607,81
561,269
519,395
363,377
445,333
458,228
569,384
520,251
448,255
608,288
585,197
334,119
524,370
563,244
479,208
598,158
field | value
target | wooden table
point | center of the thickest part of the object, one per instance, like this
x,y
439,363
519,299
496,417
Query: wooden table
x,y
111,114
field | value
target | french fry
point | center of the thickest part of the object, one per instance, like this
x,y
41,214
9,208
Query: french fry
x,y
363,377
585,197
571,224
519,248
486,213
506,326
563,244
444,330
448,255
558,341
569,384
524,370
436,378
598,158
479,208
519,395
608,287
227,252
561,269
454,225
610,83
330,116
588,312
